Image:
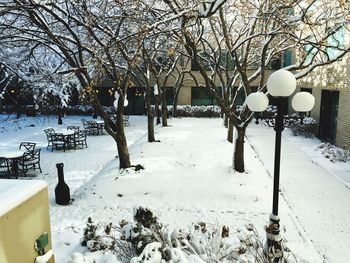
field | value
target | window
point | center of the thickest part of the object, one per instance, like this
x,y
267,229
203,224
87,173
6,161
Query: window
x,y
169,95
226,60
310,51
336,41
201,96
207,61
287,58
306,90
204,60
240,98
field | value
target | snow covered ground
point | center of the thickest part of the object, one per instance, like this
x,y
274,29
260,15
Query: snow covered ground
x,y
188,178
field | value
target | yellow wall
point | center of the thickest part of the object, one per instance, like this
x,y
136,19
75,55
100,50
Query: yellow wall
x,y
21,226
343,122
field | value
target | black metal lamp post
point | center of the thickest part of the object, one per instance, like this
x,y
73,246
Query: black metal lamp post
x,y
281,84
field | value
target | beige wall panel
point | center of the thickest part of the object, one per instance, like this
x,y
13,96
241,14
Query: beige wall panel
x,y
343,123
184,96
21,226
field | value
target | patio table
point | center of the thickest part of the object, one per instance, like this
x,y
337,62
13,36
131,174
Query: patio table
x,y
69,136
13,155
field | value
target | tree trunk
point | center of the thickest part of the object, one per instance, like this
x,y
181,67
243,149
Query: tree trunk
x,y
150,116
116,130
164,111
226,121
123,152
175,104
157,109
239,150
230,132
174,109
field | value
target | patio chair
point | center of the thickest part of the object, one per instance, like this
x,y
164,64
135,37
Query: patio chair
x,y
48,132
58,141
5,168
81,139
89,127
93,128
30,160
29,146
72,140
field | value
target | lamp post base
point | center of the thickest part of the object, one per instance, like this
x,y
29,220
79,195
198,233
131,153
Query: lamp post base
x,y
273,247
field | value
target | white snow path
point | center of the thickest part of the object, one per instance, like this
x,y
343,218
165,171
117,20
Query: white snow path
x,y
317,198
187,178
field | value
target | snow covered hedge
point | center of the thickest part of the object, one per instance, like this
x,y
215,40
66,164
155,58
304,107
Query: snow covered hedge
x,y
196,111
182,110
306,129
148,241
54,110
334,153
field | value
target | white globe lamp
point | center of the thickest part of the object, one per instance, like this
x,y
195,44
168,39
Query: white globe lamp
x,y
303,101
281,83
257,102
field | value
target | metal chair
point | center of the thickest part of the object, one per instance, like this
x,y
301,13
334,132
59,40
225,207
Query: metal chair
x,y
58,141
72,140
48,132
29,146
30,160
93,127
81,139
5,168
90,127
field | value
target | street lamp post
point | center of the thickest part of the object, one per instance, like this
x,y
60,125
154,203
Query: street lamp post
x,y
281,84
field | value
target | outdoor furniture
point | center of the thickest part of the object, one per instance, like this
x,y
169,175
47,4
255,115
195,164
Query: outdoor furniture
x,y
72,140
100,126
5,168
91,127
80,139
63,139
29,146
58,141
73,128
125,119
48,132
30,160
13,157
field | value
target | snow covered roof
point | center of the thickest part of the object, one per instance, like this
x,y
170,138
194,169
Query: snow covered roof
x,y
15,192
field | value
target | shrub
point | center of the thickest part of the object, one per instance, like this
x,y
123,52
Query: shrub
x,y
306,129
209,111
334,153
146,240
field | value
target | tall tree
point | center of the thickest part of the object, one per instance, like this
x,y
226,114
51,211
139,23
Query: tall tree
x,y
257,37
97,40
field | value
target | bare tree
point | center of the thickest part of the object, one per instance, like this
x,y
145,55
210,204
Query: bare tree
x,y
97,40
255,36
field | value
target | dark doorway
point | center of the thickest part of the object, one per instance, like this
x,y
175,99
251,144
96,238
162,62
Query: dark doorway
x,y
136,105
328,115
